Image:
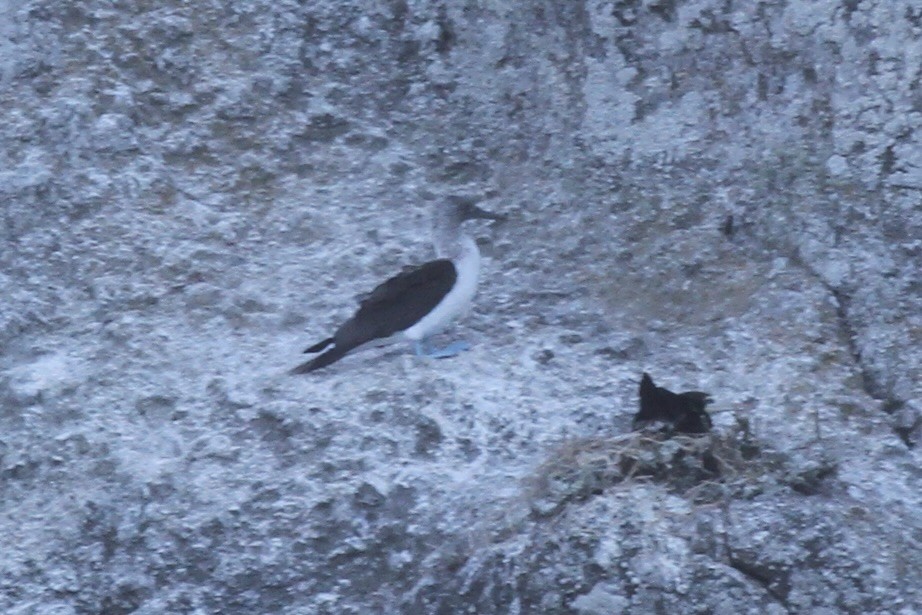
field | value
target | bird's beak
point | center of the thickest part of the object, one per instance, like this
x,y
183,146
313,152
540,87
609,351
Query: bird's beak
x,y
476,212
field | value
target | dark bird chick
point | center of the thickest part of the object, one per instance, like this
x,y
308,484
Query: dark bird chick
x,y
672,412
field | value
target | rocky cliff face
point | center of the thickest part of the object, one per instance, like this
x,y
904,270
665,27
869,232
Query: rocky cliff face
x,y
725,194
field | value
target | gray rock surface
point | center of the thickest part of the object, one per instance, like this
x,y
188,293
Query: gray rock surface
x,y
726,194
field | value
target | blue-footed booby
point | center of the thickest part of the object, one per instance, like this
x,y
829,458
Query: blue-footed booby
x,y
674,412
420,301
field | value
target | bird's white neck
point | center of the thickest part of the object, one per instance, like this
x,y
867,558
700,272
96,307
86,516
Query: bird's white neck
x,y
456,246
468,253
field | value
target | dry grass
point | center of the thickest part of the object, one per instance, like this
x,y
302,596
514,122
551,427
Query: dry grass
x,y
705,469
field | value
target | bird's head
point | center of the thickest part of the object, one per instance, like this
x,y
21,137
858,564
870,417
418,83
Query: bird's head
x,y
461,208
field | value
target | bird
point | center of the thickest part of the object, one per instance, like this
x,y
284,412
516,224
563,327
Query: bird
x,y
673,412
419,301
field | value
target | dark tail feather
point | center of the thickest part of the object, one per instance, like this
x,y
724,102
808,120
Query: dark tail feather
x,y
320,345
330,356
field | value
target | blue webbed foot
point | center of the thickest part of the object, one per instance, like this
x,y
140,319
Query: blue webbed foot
x,y
451,350
423,349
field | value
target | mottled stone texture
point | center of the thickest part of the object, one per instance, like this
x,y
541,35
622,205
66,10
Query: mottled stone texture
x,y
724,193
